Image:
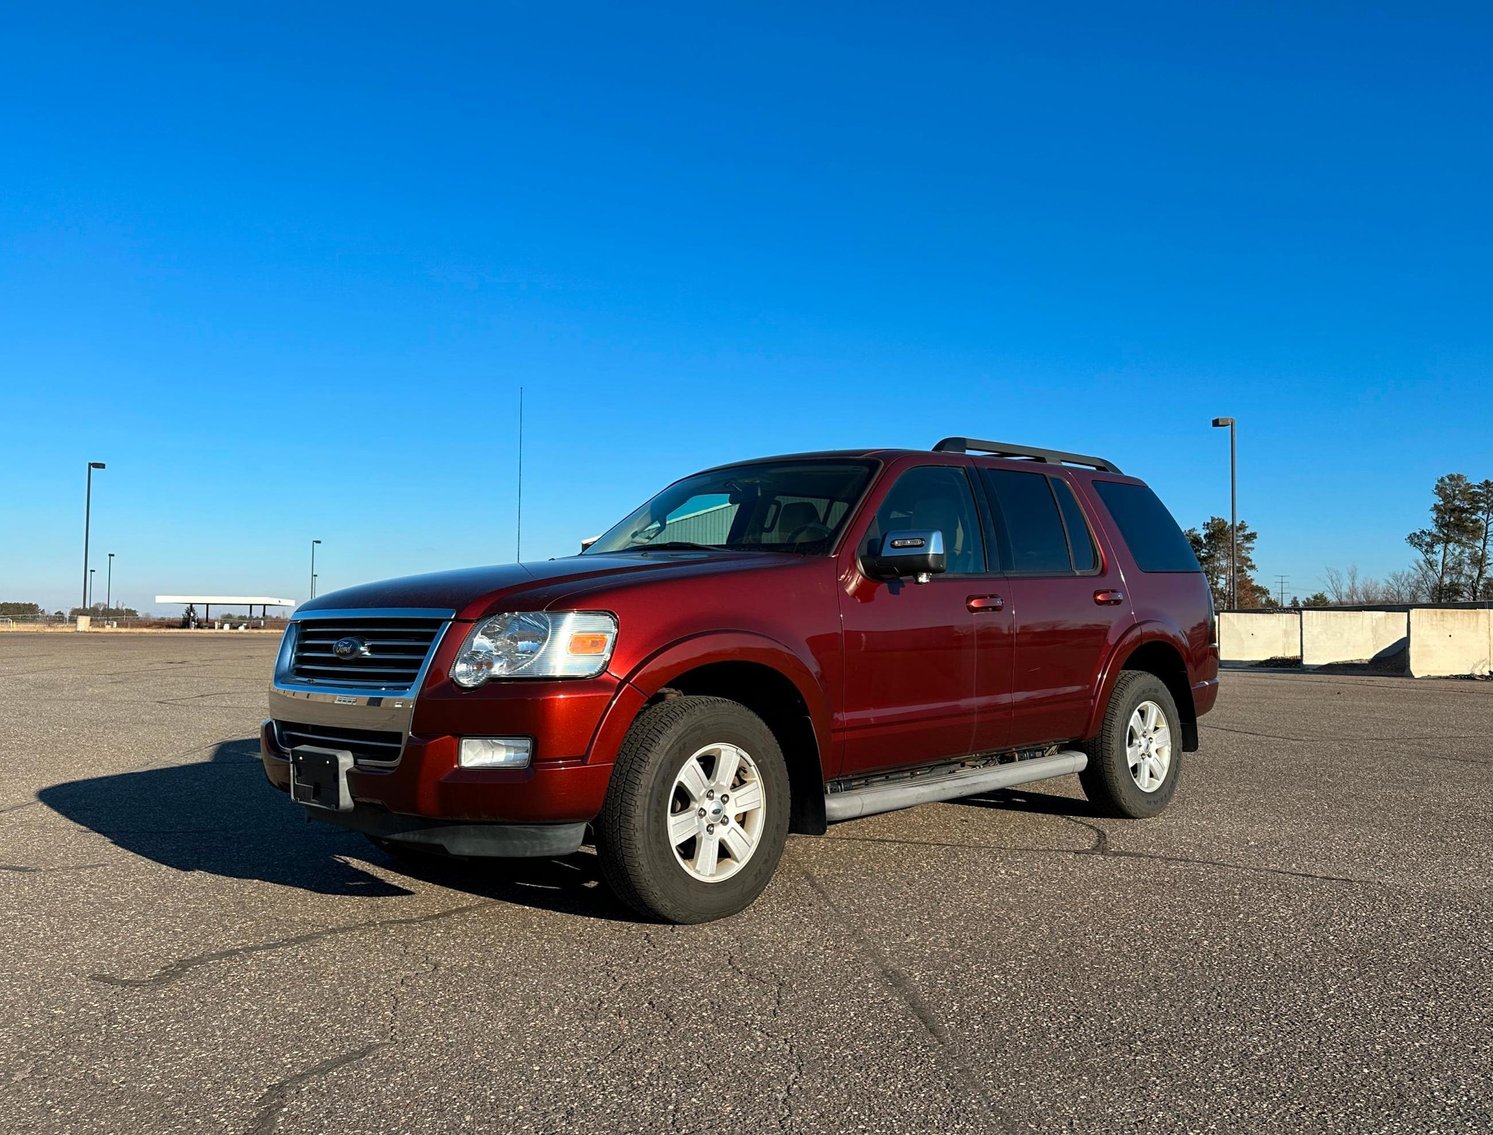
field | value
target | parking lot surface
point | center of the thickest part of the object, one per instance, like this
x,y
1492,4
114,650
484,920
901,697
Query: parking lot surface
x,y
1304,941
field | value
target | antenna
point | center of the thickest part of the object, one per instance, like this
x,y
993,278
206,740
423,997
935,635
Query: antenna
x,y
518,537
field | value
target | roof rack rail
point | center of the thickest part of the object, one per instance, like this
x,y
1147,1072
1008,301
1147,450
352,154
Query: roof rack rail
x,y
1002,449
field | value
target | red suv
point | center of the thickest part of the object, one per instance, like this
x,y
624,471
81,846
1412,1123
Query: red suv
x,y
766,646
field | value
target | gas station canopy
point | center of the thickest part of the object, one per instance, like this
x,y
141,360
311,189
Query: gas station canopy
x,y
208,601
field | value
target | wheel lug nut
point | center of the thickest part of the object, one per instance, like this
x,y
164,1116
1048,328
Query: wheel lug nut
x,y
724,798
709,828
702,811
710,794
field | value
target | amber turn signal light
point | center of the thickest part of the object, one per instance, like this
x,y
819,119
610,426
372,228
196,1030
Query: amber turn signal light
x,y
588,644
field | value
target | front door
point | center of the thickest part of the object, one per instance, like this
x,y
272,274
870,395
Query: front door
x,y
912,693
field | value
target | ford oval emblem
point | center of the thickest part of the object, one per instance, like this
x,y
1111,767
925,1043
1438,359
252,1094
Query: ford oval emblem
x,y
349,647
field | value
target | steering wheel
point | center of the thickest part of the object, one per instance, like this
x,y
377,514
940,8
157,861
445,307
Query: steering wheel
x,y
808,533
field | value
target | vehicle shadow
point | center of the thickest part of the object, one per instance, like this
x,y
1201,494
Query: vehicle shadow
x,y
221,816
1025,800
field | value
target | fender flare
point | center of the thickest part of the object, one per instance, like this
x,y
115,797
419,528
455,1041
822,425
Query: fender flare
x,y
654,673
1136,636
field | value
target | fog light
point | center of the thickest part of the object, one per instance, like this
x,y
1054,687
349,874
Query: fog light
x,y
496,752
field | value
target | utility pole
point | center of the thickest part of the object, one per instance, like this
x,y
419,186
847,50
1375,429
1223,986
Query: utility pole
x,y
313,567
87,516
1219,423
109,587
1281,596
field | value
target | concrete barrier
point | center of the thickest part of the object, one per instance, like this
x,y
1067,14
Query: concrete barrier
x,y
1253,636
1350,636
1445,643
84,622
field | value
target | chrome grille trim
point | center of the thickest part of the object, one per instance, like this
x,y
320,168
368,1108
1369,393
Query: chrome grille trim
x,y
397,645
362,707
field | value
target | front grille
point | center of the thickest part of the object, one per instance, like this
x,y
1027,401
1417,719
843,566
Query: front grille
x,y
366,745
387,655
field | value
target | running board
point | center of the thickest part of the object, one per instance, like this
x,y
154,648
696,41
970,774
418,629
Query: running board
x,y
888,797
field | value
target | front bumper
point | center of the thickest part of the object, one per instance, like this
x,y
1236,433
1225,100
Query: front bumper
x,y
428,785
498,840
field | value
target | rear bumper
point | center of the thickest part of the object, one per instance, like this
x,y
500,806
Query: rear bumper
x,y
1204,695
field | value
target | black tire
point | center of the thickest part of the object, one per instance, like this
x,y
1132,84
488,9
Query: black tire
x,y
632,833
1107,780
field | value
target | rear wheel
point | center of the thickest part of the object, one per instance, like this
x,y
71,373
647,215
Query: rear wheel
x,y
1136,759
697,811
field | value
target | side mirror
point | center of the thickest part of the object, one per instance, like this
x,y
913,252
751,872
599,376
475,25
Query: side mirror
x,y
917,554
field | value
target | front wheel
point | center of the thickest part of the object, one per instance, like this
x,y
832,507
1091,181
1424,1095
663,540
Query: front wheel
x,y
1136,760
696,814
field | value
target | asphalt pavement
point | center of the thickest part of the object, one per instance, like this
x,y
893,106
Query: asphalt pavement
x,y
1302,942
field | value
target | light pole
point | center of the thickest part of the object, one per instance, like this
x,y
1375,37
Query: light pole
x,y
313,567
109,587
87,515
1219,423
89,602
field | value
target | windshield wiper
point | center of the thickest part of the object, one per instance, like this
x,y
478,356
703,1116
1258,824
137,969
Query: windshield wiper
x,y
673,546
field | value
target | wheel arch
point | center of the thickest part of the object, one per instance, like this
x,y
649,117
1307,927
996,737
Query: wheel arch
x,y
1155,651
765,677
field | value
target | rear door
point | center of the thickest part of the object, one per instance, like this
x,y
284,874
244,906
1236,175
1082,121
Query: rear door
x,y
1067,596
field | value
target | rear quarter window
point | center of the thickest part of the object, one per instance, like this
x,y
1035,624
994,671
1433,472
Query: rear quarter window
x,y
1155,541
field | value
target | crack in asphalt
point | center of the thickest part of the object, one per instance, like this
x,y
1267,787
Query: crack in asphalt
x,y
26,869
799,1066
1101,848
182,966
908,993
1331,740
274,1099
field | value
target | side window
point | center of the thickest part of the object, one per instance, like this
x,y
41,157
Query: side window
x,y
1080,539
935,496
1153,536
1032,522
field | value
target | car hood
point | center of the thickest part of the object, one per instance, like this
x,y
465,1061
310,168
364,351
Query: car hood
x,y
474,592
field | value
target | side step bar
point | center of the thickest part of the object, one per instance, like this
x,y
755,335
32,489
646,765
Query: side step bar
x,y
889,797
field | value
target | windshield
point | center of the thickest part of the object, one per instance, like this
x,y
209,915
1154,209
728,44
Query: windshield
x,y
792,506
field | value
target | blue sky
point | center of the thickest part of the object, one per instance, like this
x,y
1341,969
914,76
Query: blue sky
x,y
285,270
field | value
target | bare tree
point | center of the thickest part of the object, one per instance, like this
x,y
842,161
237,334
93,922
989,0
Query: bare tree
x,y
1346,587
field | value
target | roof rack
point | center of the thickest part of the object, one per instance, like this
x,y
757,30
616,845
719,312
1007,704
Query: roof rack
x,y
1002,449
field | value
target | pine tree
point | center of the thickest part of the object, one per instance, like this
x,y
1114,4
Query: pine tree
x,y
1213,549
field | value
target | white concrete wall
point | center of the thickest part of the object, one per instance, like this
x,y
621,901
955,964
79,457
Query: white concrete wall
x,y
1349,636
1444,643
1253,636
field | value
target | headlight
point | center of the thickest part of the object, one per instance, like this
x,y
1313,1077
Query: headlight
x,y
536,644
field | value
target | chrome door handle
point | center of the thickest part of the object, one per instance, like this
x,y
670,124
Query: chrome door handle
x,y
984,602
1109,598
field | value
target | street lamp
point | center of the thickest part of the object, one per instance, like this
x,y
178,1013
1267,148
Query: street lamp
x,y
313,567
87,511
1219,423
89,602
109,587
